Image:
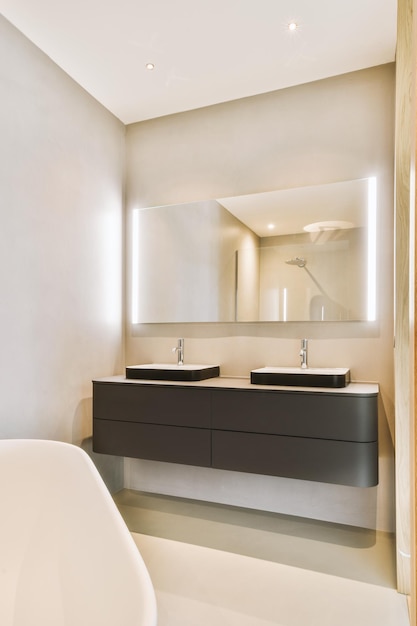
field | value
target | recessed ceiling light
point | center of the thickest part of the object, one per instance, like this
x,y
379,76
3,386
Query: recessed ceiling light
x,y
150,66
271,226
292,26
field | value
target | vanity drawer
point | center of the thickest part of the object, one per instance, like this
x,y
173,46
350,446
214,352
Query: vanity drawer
x,y
152,404
339,462
174,444
297,414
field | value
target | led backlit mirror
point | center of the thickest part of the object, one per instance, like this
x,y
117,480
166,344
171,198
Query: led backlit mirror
x,y
305,254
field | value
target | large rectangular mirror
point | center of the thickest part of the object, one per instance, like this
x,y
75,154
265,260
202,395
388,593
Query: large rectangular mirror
x,y
305,254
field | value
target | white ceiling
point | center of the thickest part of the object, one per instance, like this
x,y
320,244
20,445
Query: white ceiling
x,y
204,51
289,211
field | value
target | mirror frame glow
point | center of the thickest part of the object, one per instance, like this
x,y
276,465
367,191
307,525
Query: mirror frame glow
x,y
372,204
135,267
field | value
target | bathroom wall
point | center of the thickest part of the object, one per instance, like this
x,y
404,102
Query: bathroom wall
x,y
336,129
61,226
61,182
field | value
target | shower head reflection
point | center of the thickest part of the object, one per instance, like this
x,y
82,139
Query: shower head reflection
x,y
298,261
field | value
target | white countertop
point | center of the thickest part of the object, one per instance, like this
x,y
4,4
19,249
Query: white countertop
x,y
229,382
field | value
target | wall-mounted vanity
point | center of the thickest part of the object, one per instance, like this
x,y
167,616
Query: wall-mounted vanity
x,y
325,435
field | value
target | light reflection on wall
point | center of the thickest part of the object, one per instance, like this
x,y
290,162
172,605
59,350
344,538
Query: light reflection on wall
x,y
284,304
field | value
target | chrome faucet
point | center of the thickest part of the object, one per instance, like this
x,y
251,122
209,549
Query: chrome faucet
x,y
179,349
304,353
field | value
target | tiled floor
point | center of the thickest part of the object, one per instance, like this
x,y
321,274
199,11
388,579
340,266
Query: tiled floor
x,y
225,566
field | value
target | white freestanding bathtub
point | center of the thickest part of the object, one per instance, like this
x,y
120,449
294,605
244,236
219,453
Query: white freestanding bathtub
x,y
66,555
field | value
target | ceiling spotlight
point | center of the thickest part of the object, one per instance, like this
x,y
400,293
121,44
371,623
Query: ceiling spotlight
x,y
150,66
271,226
292,26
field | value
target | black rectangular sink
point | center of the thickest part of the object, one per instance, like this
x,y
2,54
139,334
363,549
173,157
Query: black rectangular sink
x,y
333,377
166,371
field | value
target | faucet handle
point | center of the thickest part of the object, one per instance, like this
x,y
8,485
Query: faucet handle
x,y
303,353
180,350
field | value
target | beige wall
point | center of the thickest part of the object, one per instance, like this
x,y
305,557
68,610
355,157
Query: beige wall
x,y
405,277
336,129
61,178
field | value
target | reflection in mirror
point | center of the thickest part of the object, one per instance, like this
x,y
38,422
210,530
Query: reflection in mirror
x,y
305,254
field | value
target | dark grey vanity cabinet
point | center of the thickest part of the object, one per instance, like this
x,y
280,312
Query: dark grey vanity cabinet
x,y
326,437
152,422
311,435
